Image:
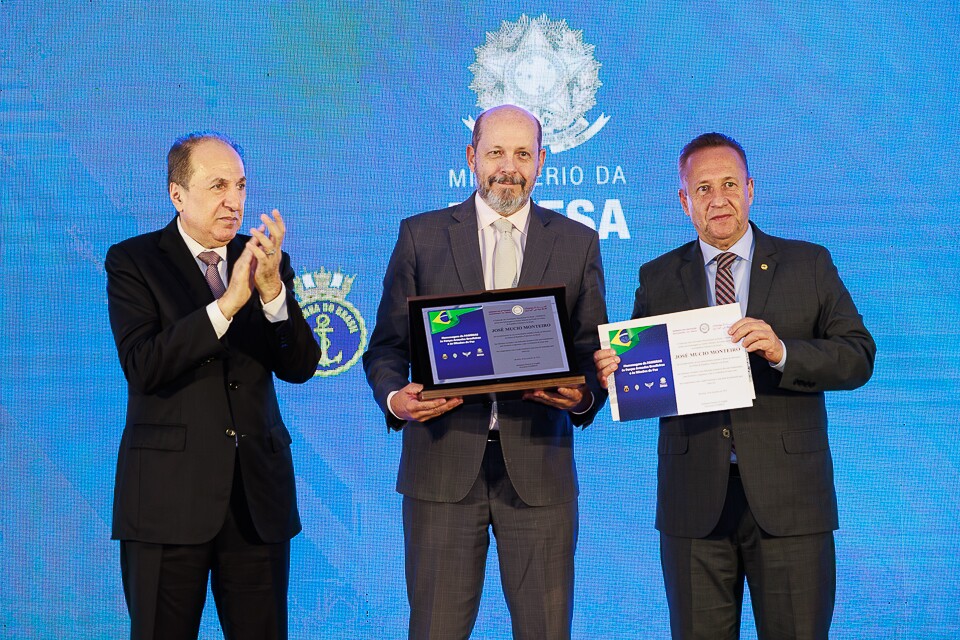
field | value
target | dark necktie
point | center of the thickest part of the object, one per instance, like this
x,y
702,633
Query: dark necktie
x,y
726,294
725,290
212,274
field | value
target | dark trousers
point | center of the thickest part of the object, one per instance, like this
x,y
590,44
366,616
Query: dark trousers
x,y
165,585
446,553
792,579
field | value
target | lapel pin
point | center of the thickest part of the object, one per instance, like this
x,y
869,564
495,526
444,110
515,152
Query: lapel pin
x,y
764,266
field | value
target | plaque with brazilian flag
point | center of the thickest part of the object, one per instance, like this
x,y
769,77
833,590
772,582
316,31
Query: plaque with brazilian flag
x,y
500,342
458,337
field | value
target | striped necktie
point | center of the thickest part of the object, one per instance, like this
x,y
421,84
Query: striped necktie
x,y
725,290
726,294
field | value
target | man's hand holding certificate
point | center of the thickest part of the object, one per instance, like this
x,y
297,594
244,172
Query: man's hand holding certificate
x,y
677,364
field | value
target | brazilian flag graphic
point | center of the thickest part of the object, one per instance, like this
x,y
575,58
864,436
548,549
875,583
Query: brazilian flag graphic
x,y
623,340
440,321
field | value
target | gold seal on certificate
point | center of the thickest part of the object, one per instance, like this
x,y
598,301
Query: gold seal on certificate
x,y
506,340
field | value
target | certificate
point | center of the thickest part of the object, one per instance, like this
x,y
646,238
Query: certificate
x,y
678,363
491,342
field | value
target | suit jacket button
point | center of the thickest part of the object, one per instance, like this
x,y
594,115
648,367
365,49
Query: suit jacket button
x,y
234,386
725,432
230,433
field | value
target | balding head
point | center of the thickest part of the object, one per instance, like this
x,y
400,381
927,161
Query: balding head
x,y
504,109
506,157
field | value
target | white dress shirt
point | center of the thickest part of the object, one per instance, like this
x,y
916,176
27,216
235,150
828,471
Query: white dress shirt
x,y
275,310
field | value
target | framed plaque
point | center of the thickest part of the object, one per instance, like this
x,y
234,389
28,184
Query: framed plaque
x,y
508,340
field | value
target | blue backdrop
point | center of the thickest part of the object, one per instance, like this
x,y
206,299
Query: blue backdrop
x,y
352,117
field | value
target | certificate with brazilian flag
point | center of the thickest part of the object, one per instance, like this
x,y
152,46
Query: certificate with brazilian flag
x,y
676,364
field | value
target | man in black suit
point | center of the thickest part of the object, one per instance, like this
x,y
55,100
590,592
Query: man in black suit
x,y
205,479
507,465
749,493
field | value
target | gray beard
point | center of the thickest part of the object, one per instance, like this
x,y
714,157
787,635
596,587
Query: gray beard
x,y
503,202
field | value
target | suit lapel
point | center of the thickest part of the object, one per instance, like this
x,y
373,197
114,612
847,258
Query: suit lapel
x,y
538,249
184,266
693,277
761,272
465,244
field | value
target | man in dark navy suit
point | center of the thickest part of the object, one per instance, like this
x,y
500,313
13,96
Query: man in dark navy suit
x,y
203,319
748,493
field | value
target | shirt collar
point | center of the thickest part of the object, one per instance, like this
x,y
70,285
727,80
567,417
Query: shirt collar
x,y
743,248
486,216
195,247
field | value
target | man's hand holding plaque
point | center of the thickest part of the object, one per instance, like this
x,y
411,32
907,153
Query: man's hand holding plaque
x,y
407,405
576,399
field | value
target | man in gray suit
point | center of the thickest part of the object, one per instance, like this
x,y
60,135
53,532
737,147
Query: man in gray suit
x,y
509,464
749,493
